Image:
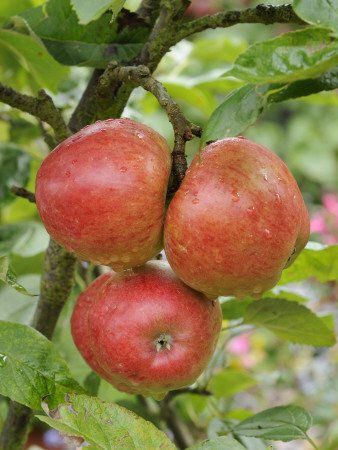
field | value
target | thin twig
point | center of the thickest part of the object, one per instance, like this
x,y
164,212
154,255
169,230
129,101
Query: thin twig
x,y
41,106
24,193
264,14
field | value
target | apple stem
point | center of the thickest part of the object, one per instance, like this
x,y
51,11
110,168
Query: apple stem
x,y
163,342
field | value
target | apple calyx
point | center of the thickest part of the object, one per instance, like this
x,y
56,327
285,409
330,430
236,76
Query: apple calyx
x,y
163,342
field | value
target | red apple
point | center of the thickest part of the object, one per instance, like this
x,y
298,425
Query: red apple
x,y
79,325
237,220
200,8
147,332
101,193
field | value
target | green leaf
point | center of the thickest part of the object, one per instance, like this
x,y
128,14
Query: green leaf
x,y
290,321
240,109
14,170
282,423
12,281
243,106
19,308
93,45
318,12
221,443
326,82
228,382
106,425
8,276
27,49
290,57
87,10
315,260
233,308
284,292
26,238
33,370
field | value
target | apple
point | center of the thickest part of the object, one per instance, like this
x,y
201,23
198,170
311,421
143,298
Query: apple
x,y
200,8
145,331
101,193
237,220
79,321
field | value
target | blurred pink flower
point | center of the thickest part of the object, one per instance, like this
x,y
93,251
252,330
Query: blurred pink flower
x,y
239,344
325,221
330,202
318,224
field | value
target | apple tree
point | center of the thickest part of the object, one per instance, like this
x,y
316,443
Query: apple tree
x,y
196,72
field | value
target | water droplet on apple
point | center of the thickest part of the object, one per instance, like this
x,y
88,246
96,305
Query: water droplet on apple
x,y
139,135
265,177
74,161
67,173
195,193
251,210
123,169
195,201
235,196
278,199
219,260
267,233
186,192
76,138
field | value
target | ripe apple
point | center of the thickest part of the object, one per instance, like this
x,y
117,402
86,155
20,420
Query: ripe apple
x,y
79,321
145,331
101,193
200,8
237,220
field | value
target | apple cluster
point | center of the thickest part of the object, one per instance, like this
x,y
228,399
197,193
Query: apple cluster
x,y
237,220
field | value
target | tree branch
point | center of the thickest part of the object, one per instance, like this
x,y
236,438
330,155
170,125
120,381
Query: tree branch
x,y
164,32
41,106
264,14
149,10
184,130
24,193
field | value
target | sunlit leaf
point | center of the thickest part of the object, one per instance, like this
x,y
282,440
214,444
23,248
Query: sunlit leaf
x,y
282,423
27,376
240,109
314,261
87,10
229,381
94,44
106,425
28,50
290,57
318,12
290,321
